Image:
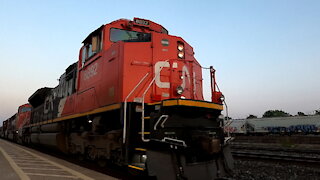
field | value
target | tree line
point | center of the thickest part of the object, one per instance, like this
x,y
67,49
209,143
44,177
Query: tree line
x,y
277,113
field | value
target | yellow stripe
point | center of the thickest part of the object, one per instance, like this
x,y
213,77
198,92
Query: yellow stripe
x,y
135,167
99,110
140,149
144,133
148,117
155,103
176,102
170,103
203,104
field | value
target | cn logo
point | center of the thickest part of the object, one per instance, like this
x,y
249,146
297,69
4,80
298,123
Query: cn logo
x,y
165,64
185,72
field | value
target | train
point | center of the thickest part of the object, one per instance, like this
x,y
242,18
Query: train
x,y
276,125
134,98
13,127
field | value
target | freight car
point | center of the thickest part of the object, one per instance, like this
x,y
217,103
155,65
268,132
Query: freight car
x,y
277,125
237,126
1,132
10,131
4,129
134,98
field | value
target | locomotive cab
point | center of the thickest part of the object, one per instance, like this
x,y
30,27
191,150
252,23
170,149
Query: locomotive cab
x,y
132,49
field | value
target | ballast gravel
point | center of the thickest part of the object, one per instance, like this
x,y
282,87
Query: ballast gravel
x,y
264,170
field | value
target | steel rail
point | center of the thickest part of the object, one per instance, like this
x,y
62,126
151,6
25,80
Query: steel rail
x,y
276,156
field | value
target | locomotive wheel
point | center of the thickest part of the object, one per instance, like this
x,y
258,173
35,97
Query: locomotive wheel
x,y
81,157
102,162
135,172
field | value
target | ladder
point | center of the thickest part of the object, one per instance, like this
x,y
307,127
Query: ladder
x,y
143,106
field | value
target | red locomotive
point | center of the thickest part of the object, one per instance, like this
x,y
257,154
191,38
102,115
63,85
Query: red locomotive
x,y
22,120
13,127
134,98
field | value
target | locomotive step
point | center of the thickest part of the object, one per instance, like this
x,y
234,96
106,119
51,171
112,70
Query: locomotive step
x,y
136,167
144,133
140,149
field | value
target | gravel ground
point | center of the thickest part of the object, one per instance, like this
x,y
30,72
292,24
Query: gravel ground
x,y
263,170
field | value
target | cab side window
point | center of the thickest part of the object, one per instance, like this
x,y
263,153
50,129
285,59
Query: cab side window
x,y
128,36
92,46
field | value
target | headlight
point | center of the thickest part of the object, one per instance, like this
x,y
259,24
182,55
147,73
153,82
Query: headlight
x,y
179,90
222,98
180,47
181,55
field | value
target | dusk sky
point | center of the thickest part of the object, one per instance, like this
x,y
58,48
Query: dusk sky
x,y
266,52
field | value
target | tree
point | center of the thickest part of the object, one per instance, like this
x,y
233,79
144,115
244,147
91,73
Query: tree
x,y
301,114
317,112
251,116
275,113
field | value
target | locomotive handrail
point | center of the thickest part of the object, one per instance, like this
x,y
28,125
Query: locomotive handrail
x,y
166,139
143,96
214,88
165,117
125,108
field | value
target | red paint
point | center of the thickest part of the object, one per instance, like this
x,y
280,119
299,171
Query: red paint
x,y
23,116
110,75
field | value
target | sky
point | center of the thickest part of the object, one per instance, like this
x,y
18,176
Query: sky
x,y
266,52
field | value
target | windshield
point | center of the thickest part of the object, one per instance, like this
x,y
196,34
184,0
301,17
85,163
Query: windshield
x,y
128,36
25,109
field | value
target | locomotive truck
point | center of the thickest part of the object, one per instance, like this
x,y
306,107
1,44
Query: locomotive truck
x,y
134,98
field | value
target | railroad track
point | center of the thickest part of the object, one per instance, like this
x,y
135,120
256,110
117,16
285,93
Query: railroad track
x,y
274,147
274,152
267,155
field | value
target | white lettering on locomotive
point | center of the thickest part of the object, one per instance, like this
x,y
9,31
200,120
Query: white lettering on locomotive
x,y
157,67
61,106
48,105
90,71
143,22
163,64
194,83
185,72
